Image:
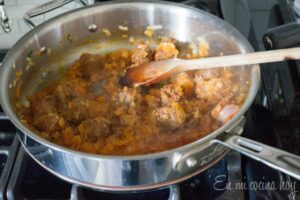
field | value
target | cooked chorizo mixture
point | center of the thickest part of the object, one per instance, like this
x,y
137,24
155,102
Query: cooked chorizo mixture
x,y
88,110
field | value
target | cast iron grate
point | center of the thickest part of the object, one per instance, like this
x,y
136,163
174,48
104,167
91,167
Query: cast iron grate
x,y
29,180
9,145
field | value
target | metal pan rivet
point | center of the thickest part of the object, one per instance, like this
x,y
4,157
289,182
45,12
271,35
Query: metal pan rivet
x,y
93,28
191,162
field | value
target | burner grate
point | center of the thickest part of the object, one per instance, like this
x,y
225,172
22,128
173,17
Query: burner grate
x,y
29,180
9,145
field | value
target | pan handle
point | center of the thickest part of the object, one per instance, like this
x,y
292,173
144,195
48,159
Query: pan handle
x,y
278,159
46,7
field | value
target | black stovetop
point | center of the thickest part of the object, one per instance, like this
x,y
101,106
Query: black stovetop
x,y
267,121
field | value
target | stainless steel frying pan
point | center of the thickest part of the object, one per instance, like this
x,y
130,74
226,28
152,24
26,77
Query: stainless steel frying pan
x,y
69,35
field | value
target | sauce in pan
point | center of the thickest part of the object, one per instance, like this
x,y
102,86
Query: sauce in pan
x,y
88,110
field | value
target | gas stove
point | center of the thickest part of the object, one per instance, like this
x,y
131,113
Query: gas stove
x,y
272,120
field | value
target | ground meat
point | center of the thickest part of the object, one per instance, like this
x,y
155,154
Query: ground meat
x,y
128,97
68,90
212,90
88,67
142,54
165,50
198,108
170,94
48,122
170,117
43,105
186,82
94,129
81,108
127,105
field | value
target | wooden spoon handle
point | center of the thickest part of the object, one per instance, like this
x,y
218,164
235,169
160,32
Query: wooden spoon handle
x,y
242,59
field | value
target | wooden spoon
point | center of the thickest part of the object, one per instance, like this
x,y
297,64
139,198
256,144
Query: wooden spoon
x,y
154,72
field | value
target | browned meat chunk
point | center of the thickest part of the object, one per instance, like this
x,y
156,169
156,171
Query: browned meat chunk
x,y
43,105
170,117
212,90
48,122
76,110
127,106
70,89
43,113
165,50
224,110
94,129
197,108
142,54
170,94
87,67
186,82
81,108
128,97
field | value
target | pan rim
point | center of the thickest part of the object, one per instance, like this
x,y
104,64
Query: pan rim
x,y
7,62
